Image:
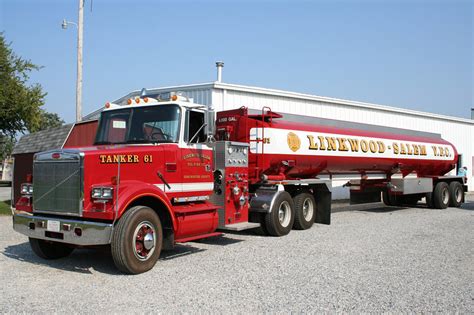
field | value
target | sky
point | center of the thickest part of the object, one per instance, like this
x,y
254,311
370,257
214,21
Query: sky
x,y
410,54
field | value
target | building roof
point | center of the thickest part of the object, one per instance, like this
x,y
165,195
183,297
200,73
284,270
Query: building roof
x,y
93,115
43,140
301,96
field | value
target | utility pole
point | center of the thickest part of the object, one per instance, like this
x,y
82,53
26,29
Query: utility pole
x,y
79,61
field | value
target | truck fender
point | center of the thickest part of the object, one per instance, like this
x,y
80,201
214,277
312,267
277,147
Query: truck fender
x,y
129,191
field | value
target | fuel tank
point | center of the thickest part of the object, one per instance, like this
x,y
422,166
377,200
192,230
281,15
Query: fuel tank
x,y
285,146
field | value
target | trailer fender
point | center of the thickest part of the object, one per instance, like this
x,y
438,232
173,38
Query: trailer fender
x,y
263,199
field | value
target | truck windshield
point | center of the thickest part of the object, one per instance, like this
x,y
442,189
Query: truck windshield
x,y
154,124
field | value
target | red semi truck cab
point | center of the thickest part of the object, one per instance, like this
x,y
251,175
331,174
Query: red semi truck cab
x,y
150,174
165,170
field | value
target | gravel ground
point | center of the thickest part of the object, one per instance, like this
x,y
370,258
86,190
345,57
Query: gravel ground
x,y
376,260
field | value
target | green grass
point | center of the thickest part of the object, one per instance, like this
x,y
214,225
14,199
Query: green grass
x,y
5,208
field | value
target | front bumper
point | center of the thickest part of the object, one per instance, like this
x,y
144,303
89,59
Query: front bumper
x,y
34,226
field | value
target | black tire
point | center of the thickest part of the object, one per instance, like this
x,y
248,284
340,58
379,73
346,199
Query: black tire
x,y
262,224
130,254
441,196
275,224
385,198
50,250
391,199
456,194
429,200
304,216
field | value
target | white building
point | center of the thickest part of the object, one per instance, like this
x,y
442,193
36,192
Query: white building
x,y
224,96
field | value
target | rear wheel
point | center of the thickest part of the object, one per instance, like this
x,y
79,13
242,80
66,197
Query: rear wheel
x,y
456,194
137,240
263,225
391,199
281,217
429,200
50,250
385,198
441,195
305,211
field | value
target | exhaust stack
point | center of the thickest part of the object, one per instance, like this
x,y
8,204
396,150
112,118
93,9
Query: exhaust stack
x,y
219,65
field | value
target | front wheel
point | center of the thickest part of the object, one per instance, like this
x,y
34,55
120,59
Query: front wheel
x,y
281,217
50,250
137,240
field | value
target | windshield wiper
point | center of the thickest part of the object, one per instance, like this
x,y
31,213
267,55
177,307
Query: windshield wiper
x,y
148,141
107,142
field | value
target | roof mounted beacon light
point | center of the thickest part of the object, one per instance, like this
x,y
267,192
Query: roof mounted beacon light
x,y
142,101
179,97
110,105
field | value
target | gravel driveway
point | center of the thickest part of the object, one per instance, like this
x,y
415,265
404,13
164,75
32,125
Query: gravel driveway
x,y
384,259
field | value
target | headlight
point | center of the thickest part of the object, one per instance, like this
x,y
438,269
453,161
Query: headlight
x,y
26,189
102,193
107,193
96,192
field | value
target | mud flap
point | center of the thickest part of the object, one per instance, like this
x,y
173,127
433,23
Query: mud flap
x,y
323,198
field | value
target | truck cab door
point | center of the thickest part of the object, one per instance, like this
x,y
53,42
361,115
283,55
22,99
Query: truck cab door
x,y
196,156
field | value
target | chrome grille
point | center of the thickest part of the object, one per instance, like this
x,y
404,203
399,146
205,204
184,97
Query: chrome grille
x,y
57,182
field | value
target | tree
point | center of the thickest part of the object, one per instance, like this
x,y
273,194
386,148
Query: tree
x,y
6,147
20,103
47,120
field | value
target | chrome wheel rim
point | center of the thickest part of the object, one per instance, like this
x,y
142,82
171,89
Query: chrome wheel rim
x,y
144,240
308,209
445,196
284,214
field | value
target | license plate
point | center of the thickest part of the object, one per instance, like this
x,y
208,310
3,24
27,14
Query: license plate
x,y
53,226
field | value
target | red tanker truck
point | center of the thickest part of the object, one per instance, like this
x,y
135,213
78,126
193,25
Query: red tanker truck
x,y
164,170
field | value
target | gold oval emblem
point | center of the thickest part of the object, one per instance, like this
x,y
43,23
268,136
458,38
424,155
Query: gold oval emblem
x,y
294,141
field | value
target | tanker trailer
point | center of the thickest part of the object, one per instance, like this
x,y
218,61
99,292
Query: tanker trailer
x,y
293,158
